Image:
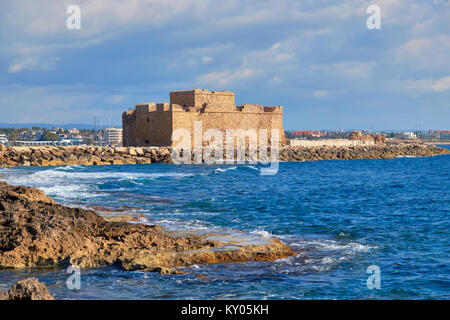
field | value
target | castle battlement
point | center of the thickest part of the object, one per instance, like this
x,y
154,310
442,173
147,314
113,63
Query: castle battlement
x,y
152,124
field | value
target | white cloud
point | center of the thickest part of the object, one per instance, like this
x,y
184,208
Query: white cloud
x,y
320,93
283,57
353,69
428,85
428,52
116,99
276,79
34,63
207,59
224,78
58,104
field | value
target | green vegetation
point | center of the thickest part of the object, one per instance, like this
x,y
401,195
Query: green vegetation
x,y
11,133
49,136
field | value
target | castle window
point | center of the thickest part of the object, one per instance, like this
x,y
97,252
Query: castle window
x,y
147,142
148,120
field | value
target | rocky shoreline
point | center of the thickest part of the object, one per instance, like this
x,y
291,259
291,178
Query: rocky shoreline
x,y
35,231
27,289
89,155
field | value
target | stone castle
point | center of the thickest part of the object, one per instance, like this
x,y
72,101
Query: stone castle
x,y
152,124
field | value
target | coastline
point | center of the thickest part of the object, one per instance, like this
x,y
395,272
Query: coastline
x,y
325,249
38,232
88,155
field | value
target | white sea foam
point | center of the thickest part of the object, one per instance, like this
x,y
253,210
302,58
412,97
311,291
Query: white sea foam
x,y
332,245
261,233
70,192
220,170
58,176
320,255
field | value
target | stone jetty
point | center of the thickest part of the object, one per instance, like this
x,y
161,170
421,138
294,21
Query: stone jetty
x,y
82,155
378,151
90,155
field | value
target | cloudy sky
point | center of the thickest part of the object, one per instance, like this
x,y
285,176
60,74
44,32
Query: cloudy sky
x,y
317,58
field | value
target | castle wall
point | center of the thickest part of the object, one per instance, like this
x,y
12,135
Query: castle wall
x,y
148,125
251,117
151,124
198,98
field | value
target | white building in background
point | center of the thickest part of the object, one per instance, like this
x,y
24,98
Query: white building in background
x,y
444,134
73,131
3,140
113,137
409,135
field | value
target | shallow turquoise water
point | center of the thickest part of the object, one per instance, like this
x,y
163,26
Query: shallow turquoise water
x,y
341,216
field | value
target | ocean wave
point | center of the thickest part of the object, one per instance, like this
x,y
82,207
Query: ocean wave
x,y
68,168
221,170
319,255
58,175
332,245
70,192
261,233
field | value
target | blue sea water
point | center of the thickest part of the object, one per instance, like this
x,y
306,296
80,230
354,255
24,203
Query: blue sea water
x,y
340,216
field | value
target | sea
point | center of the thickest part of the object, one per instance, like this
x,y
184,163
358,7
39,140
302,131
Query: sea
x,y
363,229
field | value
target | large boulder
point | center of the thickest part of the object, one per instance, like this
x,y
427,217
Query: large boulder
x,y
355,135
379,139
37,232
27,289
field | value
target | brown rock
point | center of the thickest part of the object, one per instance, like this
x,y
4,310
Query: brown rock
x,y
27,289
36,232
132,151
355,135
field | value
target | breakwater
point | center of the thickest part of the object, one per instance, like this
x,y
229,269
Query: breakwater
x,y
378,151
91,155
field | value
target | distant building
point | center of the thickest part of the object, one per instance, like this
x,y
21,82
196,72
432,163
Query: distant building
x,y
73,131
3,139
40,143
428,135
443,135
113,136
408,135
307,134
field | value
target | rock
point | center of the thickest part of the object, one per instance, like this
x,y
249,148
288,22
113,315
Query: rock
x,y
139,152
129,161
355,135
116,161
132,151
379,139
37,232
121,150
60,156
22,150
27,289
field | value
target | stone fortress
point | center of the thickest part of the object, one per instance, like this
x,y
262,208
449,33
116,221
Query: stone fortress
x,y
152,124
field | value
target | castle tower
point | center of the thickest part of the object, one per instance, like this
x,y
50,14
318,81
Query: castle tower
x,y
152,124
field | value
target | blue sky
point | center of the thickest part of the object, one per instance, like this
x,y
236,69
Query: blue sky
x,y
317,58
